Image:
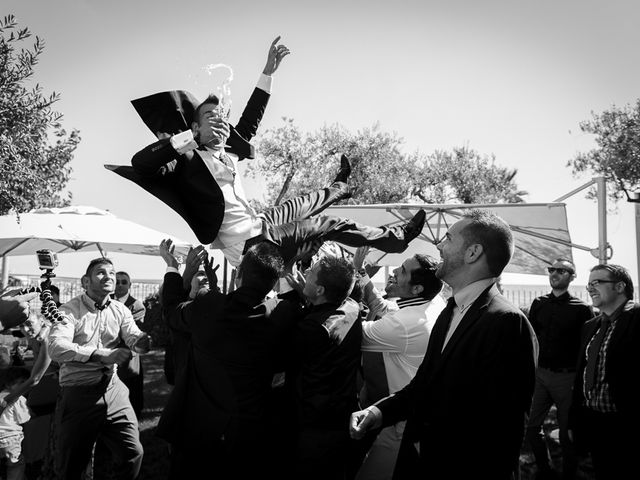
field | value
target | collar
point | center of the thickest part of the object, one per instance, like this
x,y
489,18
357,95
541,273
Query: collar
x,y
628,305
122,299
91,304
469,294
410,302
560,298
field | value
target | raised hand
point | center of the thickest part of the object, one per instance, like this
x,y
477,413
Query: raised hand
x,y
166,250
210,270
195,257
275,56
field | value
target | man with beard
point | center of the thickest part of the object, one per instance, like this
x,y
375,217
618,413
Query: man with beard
x,y
466,406
557,319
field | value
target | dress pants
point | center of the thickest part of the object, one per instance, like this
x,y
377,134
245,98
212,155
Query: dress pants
x,y
91,410
552,387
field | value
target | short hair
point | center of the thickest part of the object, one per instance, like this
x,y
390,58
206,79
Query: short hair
x,y
619,274
125,274
425,276
210,100
261,266
95,262
337,275
566,260
494,234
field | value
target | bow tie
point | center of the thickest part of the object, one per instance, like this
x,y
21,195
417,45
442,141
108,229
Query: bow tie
x,y
102,307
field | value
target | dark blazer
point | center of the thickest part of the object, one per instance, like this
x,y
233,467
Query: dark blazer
x,y
622,368
216,416
183,182
466,406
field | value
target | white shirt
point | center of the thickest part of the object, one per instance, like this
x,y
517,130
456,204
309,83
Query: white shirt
x,y
13,416
464,299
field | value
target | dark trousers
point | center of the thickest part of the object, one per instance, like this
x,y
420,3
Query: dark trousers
x,y
552,388
135,384
613,443
88,411
323,454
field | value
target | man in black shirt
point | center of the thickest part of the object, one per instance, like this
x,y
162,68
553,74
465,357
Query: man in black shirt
x,y
557,319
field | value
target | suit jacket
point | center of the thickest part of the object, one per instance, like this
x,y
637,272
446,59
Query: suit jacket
x,y
466,406
622,368
217,411
183,182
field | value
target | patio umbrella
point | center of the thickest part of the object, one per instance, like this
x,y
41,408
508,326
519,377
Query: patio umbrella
x,y
540,230
78,228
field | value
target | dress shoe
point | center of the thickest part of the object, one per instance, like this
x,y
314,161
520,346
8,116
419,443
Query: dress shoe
x,y
345,170
413,227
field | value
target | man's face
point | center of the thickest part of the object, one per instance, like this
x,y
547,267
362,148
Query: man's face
x,y
32,326
606,293
561,275
198,282
210,115
101,281
311,283
122,285
452,249
399,284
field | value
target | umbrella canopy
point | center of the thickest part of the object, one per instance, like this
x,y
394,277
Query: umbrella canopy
x,y
540,230
78,228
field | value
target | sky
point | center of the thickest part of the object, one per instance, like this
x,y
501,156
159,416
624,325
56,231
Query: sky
x,y
504,77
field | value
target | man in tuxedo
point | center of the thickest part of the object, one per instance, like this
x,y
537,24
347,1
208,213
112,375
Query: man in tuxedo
x,y
466,406
605,413
216,419
193,169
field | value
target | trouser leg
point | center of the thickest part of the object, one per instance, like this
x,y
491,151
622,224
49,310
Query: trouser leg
x,y
342,230
534,436
305,206
561,392
120,433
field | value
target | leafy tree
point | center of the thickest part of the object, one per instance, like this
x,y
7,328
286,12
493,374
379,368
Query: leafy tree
x,y
35,150
617,155
294,162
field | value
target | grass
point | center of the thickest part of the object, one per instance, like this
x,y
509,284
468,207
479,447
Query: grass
x,y
155,465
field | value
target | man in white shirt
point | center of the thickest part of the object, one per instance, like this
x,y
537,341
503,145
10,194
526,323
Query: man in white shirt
x,y
394,345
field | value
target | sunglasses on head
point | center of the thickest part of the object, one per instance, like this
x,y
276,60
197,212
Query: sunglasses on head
x,y
561,271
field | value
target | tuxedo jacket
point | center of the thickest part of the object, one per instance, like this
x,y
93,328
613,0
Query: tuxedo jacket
x,y
466,405
622,368
183,182
217,411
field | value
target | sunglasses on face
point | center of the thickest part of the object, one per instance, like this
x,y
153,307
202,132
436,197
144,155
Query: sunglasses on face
x,y
596,283
122,282
561,271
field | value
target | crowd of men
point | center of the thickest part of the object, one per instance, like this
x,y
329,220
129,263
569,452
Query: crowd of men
x,y
304,370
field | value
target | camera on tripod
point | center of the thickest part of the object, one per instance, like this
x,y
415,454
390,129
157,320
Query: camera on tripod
x,y
47,261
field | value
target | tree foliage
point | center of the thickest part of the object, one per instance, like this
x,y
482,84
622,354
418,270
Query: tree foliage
x,y
617,155
35,151
294,162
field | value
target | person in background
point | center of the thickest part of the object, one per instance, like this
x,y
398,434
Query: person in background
x,y
13,417
605,416
557,318
14,308
131,372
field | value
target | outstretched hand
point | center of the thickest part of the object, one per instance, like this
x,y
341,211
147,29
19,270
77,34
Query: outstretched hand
x,y
166,250
275,56
210,270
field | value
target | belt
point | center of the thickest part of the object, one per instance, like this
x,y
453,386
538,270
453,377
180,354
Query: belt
x,y
560,370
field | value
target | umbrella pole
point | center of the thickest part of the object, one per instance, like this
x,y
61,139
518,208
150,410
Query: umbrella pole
x,y
5,272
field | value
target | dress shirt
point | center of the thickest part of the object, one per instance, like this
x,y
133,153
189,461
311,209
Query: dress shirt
x,y
557,322
599,398
87,329
464,299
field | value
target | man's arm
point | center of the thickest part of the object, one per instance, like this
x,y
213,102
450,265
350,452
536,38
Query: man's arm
x,y
61,345
252,115
163,156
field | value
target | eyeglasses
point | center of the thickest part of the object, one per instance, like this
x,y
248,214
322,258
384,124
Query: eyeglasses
x,y
561,271
122,282
595,283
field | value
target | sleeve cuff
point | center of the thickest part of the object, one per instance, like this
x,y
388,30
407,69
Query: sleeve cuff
x,y
84,354
265,82
172,270
183,142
